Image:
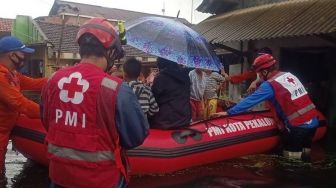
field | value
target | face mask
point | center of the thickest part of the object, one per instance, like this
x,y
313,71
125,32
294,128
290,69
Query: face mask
x,y
19,63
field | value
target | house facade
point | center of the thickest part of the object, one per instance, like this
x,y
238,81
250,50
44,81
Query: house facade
x,y
57,34
63,22
301,35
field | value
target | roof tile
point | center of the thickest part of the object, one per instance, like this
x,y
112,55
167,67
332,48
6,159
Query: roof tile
x,y
96,11
6,24
69,45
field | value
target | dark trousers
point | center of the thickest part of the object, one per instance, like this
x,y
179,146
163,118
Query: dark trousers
x,y
298,138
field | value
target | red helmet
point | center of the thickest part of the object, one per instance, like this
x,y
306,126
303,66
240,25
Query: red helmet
x,y
102,30
263,61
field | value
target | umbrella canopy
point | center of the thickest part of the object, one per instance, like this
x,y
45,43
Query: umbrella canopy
x,y
172,40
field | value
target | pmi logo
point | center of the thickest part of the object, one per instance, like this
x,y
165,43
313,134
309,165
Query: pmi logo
x,y
73,88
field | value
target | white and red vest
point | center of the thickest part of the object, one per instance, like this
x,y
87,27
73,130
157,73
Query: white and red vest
x,y
293,98
83,142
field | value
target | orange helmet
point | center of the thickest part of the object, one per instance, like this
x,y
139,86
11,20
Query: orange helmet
x,y
263,61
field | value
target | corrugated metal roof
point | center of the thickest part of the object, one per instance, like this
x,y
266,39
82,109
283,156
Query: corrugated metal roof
x,y
286,19
217,6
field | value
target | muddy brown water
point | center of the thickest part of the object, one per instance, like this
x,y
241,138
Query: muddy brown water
x,y
266,170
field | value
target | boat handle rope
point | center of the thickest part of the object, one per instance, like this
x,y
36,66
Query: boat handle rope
x,y
185,132
207,122
181,136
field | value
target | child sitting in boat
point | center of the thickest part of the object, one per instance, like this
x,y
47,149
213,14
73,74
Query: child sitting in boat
x,y
132,69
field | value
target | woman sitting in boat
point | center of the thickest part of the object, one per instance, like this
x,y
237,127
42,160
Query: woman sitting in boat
x,y
171,89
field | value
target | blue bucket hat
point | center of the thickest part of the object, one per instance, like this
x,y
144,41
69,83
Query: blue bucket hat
x,y
10,44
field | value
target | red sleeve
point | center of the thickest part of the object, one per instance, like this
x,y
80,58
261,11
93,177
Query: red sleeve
x,y
44,106
35,84
242,77
15,100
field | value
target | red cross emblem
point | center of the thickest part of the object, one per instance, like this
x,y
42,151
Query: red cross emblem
x,y
291,81
73,88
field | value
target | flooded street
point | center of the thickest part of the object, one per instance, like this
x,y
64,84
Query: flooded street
x,y
21,172
215,78
264,170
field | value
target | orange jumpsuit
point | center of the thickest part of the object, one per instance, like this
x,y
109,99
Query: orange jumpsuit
x,y
13,103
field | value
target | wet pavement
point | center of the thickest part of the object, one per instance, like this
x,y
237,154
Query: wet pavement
x,y
21,172
267,170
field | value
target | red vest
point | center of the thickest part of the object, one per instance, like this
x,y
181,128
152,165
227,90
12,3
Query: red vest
x,y
293,98
83,143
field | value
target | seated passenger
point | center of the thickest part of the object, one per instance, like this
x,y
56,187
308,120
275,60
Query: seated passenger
x,y
151,76
132,69
171,89
115,71
212,84
197,78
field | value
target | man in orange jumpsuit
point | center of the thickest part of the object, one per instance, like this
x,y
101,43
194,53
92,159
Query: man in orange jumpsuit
x,y
12,102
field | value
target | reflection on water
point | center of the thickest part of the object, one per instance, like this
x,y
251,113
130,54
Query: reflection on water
x,y
23,173
32,175
251,171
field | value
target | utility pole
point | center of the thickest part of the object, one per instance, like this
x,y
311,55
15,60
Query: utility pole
x,y
163,8
64,20
192,9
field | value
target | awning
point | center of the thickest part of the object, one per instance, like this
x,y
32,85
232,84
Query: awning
x,y
217,6
286,19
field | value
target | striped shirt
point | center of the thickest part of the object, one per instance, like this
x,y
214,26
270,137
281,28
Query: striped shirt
x,y
212,84
145,97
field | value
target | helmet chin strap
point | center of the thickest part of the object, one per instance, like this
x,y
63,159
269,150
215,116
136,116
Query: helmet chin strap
x,y
110,64
110,57
265,76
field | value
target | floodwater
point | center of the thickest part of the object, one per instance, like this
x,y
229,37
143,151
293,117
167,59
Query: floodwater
x,y
266,170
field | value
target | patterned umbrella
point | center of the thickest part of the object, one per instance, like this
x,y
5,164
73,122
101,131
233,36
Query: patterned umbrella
x,y
172,40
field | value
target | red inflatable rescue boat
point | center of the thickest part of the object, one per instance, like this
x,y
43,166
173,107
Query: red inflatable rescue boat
x,y
171,150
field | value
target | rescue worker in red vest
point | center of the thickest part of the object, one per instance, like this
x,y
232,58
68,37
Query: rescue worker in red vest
x,y
91,116
12,101
290,99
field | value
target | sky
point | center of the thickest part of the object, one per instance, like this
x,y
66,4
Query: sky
x,y
35,8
